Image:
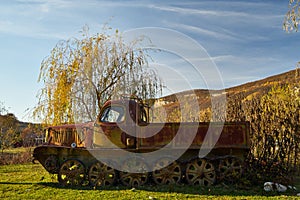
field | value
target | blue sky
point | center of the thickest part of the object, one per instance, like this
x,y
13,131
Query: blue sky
x,y
245,39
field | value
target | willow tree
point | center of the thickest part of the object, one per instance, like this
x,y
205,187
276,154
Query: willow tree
x,y
80,74
292,17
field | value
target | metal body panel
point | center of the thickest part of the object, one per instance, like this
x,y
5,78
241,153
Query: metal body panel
x,y
233,135
66,135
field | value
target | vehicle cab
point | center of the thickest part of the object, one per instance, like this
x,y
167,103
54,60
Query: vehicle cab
x,y
117,122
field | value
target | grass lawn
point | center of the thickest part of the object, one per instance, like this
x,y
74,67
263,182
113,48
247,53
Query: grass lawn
x,y
31,181
18,150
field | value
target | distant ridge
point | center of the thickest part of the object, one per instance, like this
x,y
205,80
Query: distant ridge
x,y
245,91
9,120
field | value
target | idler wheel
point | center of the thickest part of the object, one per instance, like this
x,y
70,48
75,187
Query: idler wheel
x,y
134,172
101,175
71,173
166,172
200,172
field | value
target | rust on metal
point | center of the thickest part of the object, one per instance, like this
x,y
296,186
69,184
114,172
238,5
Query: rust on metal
x,y
69,149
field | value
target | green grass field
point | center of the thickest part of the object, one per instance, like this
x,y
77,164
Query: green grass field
x,y
31,181
19,150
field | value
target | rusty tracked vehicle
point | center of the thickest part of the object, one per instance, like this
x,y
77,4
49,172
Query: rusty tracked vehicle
x,y
123,147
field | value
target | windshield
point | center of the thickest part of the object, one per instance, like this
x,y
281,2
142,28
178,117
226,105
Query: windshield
x,y
113,114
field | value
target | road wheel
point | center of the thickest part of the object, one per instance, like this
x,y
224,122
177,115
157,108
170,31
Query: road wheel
x,y
166,172
200,172
101,175
135,172
230,169
71,173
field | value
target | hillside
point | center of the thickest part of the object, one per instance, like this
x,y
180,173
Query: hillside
x,y
23,132
241,92
9,120
260,87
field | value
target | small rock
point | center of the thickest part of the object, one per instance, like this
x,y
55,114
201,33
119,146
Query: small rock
x,y
270,186
280,188
132,189
298,194
292,187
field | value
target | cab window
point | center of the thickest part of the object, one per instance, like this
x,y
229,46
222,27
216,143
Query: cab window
x,y
113,114
143,115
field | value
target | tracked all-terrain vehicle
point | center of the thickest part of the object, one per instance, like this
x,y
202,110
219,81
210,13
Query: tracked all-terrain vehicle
x,y
123,147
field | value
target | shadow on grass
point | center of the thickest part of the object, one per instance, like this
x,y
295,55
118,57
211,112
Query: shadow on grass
x,y
216,190
15,183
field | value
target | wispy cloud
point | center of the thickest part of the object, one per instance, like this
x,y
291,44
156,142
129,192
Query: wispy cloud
x,y
243,60
56,19
191,11
39,15
48,3
202,31
234,69
39,18
231,15
217,12
24,30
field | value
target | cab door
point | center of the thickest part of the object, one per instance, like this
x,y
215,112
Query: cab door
x,y
111,127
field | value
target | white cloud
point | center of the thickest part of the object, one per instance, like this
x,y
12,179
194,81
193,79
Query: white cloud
x,y
243,60
202,31
223,58
191,11
220,10
5,23
40,18
230,15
